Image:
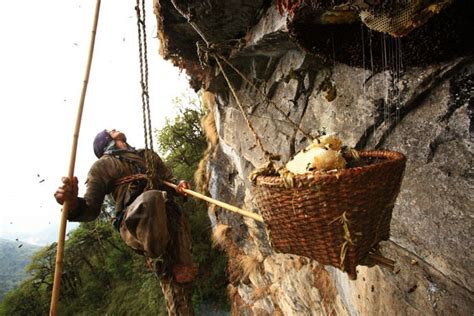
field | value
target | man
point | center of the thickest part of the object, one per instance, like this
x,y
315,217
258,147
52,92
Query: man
x,y
147,218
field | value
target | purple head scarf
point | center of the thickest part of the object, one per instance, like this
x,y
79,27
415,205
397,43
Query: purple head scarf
x,y
100,143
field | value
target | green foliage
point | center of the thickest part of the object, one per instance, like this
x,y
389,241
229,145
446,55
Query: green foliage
x,y
102,276
24,301
182,141
137,298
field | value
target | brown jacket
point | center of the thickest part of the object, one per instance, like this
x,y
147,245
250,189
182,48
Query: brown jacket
x,y
102,178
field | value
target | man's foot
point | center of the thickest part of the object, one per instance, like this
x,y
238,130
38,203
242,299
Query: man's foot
x,y
184,273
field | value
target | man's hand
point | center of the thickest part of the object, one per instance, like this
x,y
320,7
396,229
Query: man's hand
x,y
67,192
183,184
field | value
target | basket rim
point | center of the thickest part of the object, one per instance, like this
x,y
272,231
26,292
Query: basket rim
x,y
391,157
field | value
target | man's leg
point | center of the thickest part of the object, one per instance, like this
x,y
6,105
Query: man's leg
x,y
180,249
145,230
177,286
183,268
144,227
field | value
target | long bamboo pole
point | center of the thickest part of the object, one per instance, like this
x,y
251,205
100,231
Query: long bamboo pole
x,y
219,203
72,162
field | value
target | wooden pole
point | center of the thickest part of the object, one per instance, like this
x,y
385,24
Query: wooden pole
x,y
72,162
219,203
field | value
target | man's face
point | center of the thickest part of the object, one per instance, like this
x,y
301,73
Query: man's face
x,y
117,135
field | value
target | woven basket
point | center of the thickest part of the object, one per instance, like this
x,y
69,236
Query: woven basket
x,y
333,218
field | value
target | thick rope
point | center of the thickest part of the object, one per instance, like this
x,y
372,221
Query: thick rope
x,y
143,56
269,156
286,115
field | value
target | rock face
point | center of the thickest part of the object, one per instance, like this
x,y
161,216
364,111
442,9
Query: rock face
x,y
423,110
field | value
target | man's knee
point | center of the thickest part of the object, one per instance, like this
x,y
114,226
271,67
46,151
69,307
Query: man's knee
x,y
154,196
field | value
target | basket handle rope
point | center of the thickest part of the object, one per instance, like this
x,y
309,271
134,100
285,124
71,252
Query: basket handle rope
x,y
267,99
269,156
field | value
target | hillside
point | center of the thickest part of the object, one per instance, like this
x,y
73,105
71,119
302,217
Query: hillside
x,y
14,257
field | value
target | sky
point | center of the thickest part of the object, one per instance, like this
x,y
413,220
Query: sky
x,y
43,58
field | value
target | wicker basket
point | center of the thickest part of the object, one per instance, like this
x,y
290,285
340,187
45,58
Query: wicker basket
x,y
333,218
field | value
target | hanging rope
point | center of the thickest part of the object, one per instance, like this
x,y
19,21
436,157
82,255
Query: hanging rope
x,y
143,57
268,155
142,44
268,100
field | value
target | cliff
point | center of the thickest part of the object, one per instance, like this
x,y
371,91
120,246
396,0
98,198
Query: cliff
x,y
320,65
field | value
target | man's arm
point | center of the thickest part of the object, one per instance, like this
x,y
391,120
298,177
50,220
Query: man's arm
x,y
165,173
87,208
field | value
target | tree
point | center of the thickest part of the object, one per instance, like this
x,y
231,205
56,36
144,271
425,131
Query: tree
x,y
181,141
24,301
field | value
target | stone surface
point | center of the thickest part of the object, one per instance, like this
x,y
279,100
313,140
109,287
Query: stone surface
x,y
414,288
432,220
424,112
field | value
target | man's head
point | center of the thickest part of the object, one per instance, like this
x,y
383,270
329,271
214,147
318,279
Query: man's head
x,y
103,139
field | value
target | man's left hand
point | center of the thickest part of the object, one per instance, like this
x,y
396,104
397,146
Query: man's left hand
x,y
183,184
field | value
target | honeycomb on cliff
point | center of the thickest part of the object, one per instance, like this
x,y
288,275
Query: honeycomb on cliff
x,y
394,17
357,33
401,17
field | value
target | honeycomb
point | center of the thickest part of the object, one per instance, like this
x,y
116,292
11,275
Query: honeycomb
x,y
402,19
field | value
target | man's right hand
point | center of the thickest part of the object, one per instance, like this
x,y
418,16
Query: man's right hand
x,y
67,192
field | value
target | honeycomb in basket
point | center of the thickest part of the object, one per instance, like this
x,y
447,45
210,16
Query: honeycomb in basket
x,y
323,154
